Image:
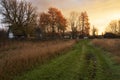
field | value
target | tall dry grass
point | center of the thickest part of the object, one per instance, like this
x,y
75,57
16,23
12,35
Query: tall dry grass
x,y
111,45
22,56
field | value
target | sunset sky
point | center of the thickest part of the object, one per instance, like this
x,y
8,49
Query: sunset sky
x,y
100,12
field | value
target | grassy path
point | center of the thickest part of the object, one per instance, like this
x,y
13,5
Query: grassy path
x,y
83,62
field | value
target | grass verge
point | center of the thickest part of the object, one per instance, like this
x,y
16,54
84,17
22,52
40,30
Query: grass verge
x,y
83,62
26,55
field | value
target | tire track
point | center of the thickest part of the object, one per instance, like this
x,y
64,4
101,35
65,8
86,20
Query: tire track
x,y
94,64
84,62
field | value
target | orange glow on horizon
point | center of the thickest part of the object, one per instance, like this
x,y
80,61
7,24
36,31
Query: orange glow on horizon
x,y
100,12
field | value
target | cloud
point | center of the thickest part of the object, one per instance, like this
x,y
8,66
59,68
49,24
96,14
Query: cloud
x,y
62,4
41,4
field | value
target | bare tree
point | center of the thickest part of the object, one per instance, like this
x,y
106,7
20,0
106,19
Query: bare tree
x,y
20,16
112,27
94,31
74,22
85,25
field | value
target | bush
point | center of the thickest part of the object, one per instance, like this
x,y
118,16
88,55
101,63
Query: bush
x,y
3,35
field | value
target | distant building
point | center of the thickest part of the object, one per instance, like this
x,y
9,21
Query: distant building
x,y
10,35
110,35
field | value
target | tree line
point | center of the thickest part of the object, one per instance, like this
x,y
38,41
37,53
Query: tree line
x,y
79,23
24,20
113,29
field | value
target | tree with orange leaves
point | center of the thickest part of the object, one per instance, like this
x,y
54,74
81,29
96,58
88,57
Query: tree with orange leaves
x,y
53,22
57,20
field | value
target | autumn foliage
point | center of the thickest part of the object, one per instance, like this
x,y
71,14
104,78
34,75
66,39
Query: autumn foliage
x,y
52,22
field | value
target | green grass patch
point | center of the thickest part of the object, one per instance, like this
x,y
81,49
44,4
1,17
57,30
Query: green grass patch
x,y
83,62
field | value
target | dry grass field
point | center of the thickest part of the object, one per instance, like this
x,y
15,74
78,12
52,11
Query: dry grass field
x,y
111,45
83,62
17,57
